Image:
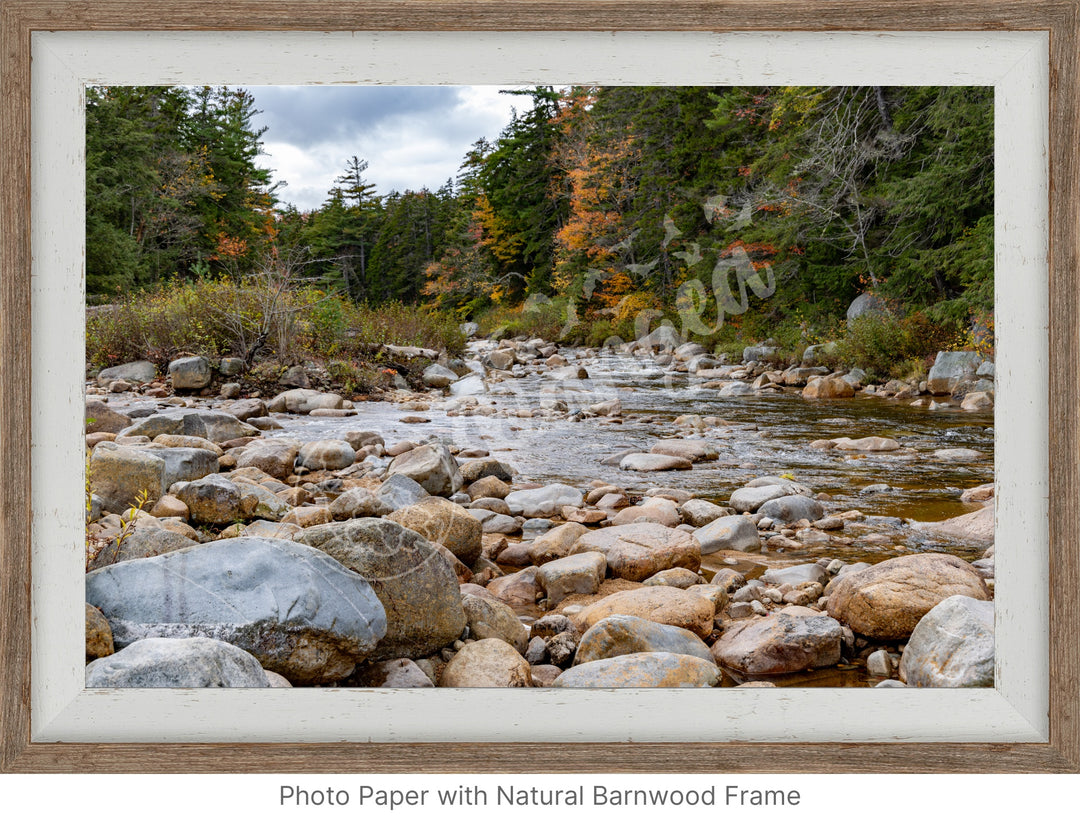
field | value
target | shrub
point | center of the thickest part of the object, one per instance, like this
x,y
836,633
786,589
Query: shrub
x,y
888,346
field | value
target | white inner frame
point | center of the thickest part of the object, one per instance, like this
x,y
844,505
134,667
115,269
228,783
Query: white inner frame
x,y
1015,710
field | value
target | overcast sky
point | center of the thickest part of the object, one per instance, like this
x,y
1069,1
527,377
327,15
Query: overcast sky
x,y
411,136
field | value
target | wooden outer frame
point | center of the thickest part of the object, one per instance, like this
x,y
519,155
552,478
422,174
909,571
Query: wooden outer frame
x,y
1060,18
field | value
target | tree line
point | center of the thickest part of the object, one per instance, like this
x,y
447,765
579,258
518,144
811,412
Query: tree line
x,y
610,201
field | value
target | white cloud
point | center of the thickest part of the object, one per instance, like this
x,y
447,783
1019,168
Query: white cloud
x,y
411,137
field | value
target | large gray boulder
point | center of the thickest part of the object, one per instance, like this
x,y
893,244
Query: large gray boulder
x,y
140,372
297,610
303,401
215,426
433,467
750,498
779,643
736,532
952,646
866,303
190,373
177,662
792,508
642,670
413,580
618,635
438,376
951,369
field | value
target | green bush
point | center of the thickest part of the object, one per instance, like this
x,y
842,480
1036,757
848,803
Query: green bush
x,y
888,346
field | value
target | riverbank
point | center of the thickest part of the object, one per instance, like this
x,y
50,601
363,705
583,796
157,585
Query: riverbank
x,y
699,527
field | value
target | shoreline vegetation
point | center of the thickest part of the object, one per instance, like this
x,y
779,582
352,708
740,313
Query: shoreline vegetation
x,y
256,518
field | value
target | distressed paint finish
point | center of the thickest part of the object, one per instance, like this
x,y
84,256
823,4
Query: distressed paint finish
x,y
18,18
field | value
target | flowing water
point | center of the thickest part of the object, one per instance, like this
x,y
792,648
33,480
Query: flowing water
x,y
765,434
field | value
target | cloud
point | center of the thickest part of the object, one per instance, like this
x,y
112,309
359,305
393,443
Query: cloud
x,y
411,136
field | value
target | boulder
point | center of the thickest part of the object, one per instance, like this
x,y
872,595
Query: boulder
x,y
190,373
827,388
489,617
520,589
121,476
486,467
137,372
951,369
215,426
215,500
445,523
664,605
437,376
792,508
779,643
751,497
792,576
398,492
555,543
413,580
546,501
304,401
864,304
887,600
177,662
693,450
735,532
100,417
978,401
637,550
865,444
700,513
489,487
974,527
433,467
952,646
677,577
398,673
490,662
358,503
331,455
618,635
184,463
99,640
296,609
654,510
579,574
654,462
642,670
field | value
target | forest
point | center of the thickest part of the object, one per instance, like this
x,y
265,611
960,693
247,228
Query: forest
x,y
597,212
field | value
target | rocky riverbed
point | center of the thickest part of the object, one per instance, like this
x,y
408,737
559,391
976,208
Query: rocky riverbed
x,y
642,516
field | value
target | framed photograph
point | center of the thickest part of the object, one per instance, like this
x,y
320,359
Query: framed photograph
x,y
53,54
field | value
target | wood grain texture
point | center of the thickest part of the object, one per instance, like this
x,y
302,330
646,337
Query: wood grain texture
x,y
18,18
15,519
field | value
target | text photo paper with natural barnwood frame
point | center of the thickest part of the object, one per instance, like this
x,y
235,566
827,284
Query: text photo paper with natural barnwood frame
x,y
1027,52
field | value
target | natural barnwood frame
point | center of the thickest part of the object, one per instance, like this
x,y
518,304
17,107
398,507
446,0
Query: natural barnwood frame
x,y
19,18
